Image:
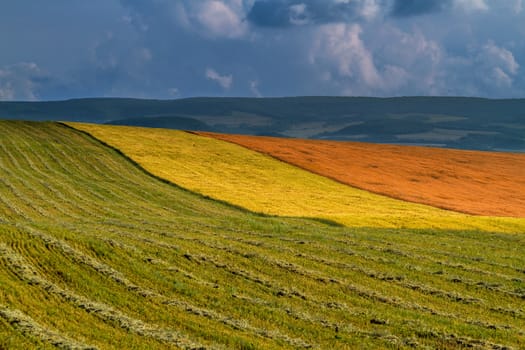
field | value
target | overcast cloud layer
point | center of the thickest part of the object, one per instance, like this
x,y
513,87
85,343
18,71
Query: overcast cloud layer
x,y
181,48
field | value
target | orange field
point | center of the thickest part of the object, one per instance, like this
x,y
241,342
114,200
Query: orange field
x,y
474,182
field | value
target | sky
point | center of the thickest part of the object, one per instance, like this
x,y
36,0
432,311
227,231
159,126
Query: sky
x,y
165,49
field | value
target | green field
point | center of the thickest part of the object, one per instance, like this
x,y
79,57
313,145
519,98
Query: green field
x,y
97,253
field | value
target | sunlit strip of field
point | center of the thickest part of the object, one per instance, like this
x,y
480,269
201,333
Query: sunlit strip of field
x,y
473,182
262,184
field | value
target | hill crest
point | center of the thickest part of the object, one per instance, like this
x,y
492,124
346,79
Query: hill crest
x,y
453,122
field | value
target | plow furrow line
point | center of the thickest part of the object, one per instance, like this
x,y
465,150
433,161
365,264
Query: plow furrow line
x,y
10,206
27,273
65,169
50,176
402,280
121,279
453,296
402,252
289,311
22,199
27,326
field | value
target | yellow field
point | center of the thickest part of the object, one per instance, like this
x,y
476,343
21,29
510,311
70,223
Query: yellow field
x,y
262,184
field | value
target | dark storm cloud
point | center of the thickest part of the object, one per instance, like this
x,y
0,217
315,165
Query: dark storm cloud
x,y
279,13
166,48
286,13
270,14
407,8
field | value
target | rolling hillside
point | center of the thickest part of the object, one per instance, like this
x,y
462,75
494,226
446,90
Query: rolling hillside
x,y
481,183
97,253
454,122
260,183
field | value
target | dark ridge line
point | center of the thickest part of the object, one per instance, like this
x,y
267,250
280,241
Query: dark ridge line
x,y
343,183
158,178
327,222
330,177
290,97
323,221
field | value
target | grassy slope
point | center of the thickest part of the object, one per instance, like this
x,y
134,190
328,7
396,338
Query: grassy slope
x,y
95,252
482,183
262,184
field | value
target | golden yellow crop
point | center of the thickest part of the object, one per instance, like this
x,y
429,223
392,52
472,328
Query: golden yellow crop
x,y
262,184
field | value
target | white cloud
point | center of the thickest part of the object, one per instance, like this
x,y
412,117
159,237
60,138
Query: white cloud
x,y
408,57
472,5
518,6
20,81
254,88
394,77
370,9
340,46
498,76
225,81
173,92
390,62
498,64
499,56
298,14
222,19
209,18
409,48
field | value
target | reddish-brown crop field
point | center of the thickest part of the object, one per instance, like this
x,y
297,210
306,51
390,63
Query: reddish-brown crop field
x,y
474,182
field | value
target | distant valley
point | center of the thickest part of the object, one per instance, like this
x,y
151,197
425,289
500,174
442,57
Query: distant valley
x,y
452,122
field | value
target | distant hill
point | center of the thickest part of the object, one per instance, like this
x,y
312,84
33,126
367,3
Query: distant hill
x,y
456,122
181,123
